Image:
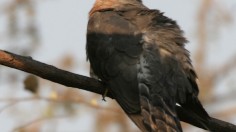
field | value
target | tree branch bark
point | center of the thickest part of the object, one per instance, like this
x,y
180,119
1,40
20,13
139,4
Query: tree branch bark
x,y
51,73
69,79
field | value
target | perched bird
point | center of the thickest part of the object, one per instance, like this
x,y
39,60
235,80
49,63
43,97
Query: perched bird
x,y
139,53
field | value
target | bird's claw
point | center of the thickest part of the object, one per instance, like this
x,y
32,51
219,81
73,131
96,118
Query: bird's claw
x,y
104,95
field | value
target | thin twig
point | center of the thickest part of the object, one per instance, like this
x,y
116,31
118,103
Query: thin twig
x,y
41,119
7,106
225,68
76,101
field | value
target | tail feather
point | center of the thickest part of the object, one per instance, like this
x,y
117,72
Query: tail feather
x,y
155,119
156,115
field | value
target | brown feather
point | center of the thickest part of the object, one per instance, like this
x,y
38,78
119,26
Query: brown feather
x,y
139,53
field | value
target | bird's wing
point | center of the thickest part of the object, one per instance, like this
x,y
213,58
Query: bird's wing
x,y
113,51
165,33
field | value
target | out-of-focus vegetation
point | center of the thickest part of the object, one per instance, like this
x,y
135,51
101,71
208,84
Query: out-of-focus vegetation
x,y
33,104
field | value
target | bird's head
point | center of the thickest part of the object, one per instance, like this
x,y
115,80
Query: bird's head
x,y
108,4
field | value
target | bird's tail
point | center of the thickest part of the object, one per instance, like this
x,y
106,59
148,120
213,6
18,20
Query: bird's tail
x,y
156,115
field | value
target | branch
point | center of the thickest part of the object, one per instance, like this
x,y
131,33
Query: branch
x,y
51,73
214,124
225,68
69,79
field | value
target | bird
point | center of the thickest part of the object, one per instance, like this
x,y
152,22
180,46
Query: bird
x,y
140,55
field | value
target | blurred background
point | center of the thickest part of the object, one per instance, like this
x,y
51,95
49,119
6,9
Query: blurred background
x,y
54,31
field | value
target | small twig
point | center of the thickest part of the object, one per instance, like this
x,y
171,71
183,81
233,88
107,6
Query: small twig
x,y
225,68
17,100
7,106
76,101
38,120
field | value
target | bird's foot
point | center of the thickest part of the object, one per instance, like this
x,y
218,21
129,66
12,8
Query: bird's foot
x,y
105,94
